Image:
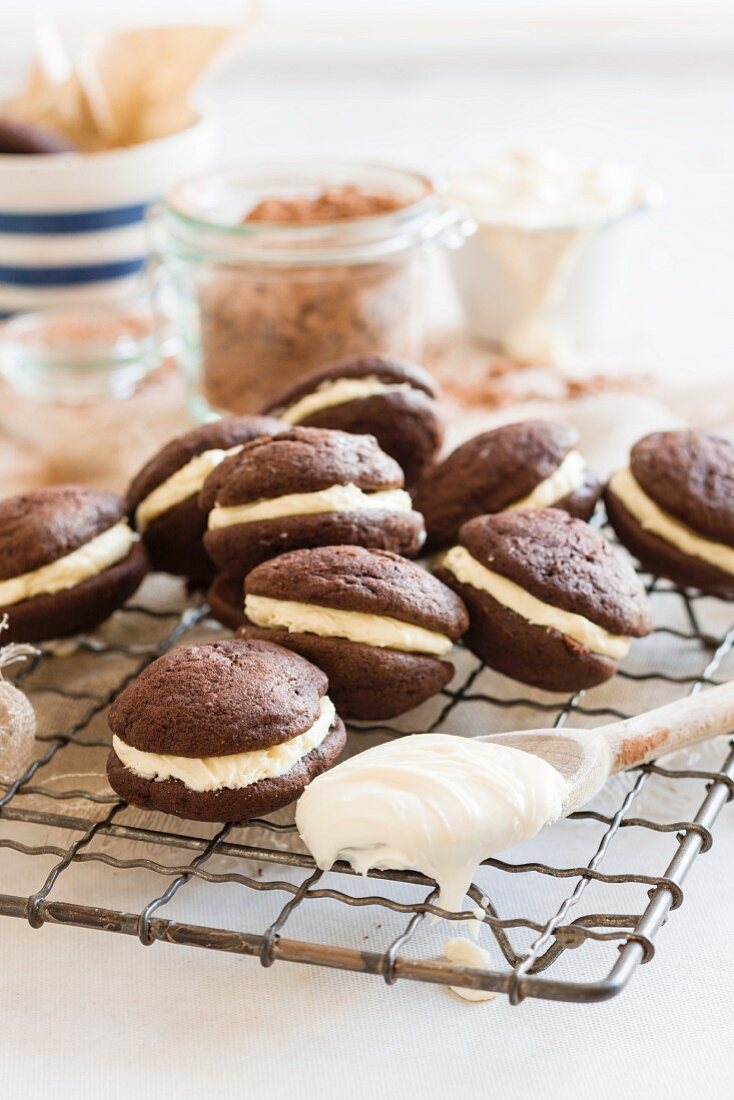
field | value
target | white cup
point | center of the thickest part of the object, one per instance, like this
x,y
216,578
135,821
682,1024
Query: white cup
x,y
72,225
540,293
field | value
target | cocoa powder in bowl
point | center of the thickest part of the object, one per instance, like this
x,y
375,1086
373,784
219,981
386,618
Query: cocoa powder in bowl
x,y
263,325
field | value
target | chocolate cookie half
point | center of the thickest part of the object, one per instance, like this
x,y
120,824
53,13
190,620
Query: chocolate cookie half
x,y
551,603
226,599
222,732
306,487
530,464
377,625
392,400
68,559
673,508
163,496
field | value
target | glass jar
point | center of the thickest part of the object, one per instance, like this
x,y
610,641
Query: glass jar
x,y
84,393
258,304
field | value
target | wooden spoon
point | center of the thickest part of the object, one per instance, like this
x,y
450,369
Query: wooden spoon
x,y
587,757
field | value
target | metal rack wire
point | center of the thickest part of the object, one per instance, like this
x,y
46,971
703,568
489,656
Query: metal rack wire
x,y
55,827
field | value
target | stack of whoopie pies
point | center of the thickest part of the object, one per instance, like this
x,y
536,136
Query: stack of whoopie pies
x,y
378,625
302,524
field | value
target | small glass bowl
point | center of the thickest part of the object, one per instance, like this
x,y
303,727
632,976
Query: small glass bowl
x,y
85,393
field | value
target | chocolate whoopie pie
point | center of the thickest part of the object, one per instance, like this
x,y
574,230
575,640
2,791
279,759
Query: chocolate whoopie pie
x,y
392,400
163,496
529,464
550,601
673,508
306,487
377,625
68,559
222,732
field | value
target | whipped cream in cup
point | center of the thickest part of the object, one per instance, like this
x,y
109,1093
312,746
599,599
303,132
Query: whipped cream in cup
x,y
551,250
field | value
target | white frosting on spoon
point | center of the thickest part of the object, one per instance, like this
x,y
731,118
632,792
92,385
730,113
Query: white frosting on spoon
x,y
430,802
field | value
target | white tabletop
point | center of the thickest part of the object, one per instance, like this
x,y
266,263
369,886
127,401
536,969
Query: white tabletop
x,y
94,1014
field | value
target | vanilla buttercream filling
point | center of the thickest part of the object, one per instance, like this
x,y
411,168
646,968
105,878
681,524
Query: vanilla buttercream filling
x,y
181,485
468,570
240,769
339,392
566,479
337,498
652,518
87,561
381,631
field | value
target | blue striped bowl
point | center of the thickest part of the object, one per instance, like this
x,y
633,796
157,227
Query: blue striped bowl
x,y
72,225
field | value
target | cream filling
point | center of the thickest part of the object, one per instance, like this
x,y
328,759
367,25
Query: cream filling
x,y
381,631
468,570
93,558
180,486
339,392
215,773
337,498
566,479
652,518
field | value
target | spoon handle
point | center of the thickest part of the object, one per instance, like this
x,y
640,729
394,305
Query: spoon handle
x,y
685,722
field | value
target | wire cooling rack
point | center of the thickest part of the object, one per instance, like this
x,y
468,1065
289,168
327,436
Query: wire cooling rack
x,y
569,917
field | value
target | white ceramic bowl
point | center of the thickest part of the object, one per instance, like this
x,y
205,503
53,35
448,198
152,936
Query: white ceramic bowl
x,y
72,225
503,290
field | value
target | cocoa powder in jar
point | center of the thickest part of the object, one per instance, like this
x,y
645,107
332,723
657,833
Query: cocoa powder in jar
x,y
333,205
265,325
